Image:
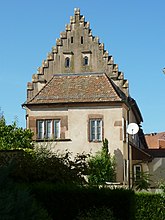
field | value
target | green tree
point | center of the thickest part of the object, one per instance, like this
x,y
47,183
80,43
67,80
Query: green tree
x,y
102,167
12,137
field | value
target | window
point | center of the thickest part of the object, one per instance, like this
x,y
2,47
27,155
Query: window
x,y
82,40
72,40
67,62
56,129
85,61
96,130
48,129
137,172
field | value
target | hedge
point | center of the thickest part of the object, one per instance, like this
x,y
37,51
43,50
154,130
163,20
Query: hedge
x,y
149,206
66,202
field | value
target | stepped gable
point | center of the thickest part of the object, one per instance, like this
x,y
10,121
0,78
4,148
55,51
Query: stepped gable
x,y
76,45
77,88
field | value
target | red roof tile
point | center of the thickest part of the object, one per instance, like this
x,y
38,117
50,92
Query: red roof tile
x,y
155,140
66,88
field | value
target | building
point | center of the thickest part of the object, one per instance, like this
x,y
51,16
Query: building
x,y
156,148
78,97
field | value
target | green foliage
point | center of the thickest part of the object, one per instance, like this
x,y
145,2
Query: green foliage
x,y
68,201
161,185
41,165
142,182
150,206
16,201
102,167
102,213
12,137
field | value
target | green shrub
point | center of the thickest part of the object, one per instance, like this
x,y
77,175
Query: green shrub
x,y
67,201
16,201
38,166
103,213
150,206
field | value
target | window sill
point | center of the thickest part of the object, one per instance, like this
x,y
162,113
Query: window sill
x,y
53,140
96,141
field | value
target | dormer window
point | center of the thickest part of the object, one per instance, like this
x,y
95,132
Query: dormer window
x,y
67,62
85,61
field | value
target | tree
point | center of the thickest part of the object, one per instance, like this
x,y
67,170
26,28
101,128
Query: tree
x,y
12,137
102,167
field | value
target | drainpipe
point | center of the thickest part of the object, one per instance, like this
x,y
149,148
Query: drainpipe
x,y
129,181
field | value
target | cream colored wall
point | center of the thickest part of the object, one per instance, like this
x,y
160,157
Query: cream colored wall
x,y
78,131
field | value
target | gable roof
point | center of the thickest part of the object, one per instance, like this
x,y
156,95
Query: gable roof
x,y
76,88
155,140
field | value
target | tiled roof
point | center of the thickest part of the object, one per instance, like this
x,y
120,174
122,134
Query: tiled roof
x,y
73,88
155,140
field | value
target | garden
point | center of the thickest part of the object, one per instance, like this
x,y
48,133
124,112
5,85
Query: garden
x,y
36,184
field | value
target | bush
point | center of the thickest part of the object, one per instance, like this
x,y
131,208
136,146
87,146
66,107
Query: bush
x,y
38,166
16,201
150,206
68,201
103,213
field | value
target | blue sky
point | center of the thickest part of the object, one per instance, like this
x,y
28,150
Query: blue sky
x,y
133,33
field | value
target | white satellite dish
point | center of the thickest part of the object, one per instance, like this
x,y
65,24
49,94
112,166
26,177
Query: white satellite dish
x,y
132,128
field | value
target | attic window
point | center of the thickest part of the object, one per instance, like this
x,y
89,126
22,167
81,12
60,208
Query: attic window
x,y
82,40
85,61
72,40
67,62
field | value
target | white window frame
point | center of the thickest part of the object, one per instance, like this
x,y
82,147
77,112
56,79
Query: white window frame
x,y
135,171
95,134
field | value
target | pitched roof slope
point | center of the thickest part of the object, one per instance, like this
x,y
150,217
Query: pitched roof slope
x,y
155,140
72,88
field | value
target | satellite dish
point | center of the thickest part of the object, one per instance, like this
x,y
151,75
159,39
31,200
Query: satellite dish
x,y
132,128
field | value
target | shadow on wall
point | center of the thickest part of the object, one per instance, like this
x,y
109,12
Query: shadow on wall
x,y
157,171
119,165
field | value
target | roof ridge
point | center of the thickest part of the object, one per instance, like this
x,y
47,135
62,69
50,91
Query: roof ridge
x,y
79,74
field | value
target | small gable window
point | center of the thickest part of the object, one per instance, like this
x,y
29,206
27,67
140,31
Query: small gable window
x,y
82,40
72,40
67,62
85,61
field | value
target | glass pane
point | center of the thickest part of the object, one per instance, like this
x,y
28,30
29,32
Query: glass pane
x,y
67,62
57,129
92,130
138,171
99,130
85,61
48,129
40,129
